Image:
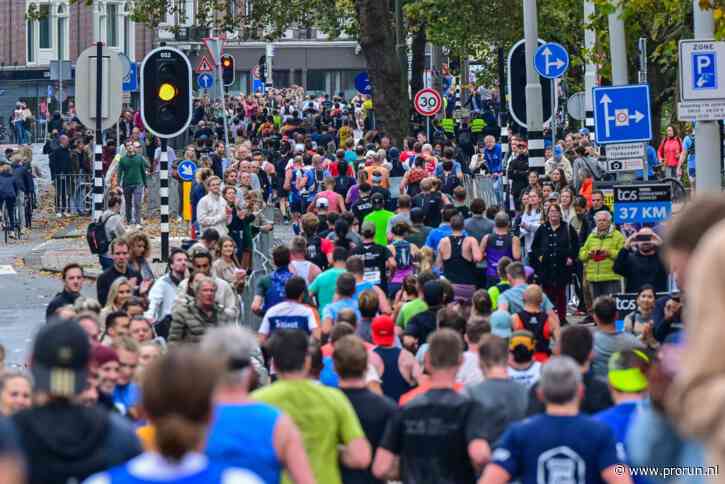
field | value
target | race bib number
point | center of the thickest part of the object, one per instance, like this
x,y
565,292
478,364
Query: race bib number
x,y
372,276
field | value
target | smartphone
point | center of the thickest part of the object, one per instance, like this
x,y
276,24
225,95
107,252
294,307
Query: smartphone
x,y
642,238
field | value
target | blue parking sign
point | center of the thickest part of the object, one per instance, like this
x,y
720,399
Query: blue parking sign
x,y
704,70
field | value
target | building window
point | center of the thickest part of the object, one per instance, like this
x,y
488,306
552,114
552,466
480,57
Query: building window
x,y
62,32
31,41
112,24
44,27
280,78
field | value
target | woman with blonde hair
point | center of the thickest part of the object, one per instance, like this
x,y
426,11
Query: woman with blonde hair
x,y
119,292
139,253
226,264
16,392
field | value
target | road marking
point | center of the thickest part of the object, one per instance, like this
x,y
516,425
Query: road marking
x,y
38,247
6,270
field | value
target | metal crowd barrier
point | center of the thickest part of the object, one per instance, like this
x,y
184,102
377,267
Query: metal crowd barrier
x,y
73,193
262,265
485,187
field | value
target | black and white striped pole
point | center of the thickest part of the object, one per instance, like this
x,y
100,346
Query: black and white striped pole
x,y
97,159
164,193
534,98
166,98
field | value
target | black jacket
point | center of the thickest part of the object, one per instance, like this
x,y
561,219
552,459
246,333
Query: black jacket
x,y
60,162
638,270
61,299
550,250
24,178
518,171
8,186
64,442
104,281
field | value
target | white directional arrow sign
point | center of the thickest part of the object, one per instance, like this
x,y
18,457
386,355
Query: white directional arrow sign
x,y
622,114
187,171
558,63
551,60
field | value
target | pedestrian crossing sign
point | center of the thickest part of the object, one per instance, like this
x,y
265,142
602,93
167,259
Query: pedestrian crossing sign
x,y
204,65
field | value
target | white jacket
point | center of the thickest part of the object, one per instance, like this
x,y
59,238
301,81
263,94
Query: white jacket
x,y
161,298
211,213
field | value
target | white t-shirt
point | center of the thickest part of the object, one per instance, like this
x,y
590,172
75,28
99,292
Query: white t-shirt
x,y
526,377
288,315
470,371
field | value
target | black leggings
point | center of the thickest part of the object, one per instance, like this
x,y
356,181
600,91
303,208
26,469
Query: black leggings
x,y
10,204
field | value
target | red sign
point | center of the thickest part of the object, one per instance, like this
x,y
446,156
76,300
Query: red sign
x,y
427,102
204,65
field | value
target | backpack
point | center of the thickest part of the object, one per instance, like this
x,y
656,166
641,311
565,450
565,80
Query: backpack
x,y
276,293
691,148
98,241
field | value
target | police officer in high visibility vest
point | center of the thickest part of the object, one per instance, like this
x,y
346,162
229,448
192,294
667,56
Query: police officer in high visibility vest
x,y
477,125
448,125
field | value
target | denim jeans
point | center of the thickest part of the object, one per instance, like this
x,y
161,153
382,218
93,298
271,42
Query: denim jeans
x,y
20,133
133,195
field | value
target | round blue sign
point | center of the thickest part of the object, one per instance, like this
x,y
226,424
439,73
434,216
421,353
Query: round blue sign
x,y
186,170
205,81
362,83
551,60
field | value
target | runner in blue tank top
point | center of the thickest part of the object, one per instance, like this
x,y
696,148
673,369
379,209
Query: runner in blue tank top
x,y
177,392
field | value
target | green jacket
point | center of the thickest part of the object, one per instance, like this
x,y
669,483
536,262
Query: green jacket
x,y
448,125
603,270
189,323
132,171
477,125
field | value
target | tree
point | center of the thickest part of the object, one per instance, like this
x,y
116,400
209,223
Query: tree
x,y
370,20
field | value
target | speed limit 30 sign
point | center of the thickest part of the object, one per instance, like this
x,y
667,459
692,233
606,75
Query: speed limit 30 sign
x,y
427,102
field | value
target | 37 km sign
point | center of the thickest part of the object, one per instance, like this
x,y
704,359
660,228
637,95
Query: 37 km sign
x,y
427,102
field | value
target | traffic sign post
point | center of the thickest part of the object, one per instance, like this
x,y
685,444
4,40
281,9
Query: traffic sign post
x,y
427,102
205,80
622,114
551,61
186,172
98,103
642,204
204,65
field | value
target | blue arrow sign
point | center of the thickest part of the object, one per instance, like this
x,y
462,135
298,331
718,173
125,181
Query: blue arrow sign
x,y
187,170
362,83
622,114
205,81
130,82
551,60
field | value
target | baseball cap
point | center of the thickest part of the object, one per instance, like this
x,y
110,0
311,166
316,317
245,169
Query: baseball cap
x,y
625,371
322,203
377,198
383,330
61,353
522,338
584,131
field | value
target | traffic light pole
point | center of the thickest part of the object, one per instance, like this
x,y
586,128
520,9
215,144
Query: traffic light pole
x,y
98,160
707,137
534,98
220,81
164,192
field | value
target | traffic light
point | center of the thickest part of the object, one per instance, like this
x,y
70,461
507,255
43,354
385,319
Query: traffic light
x,y
263,68
166,93
227,70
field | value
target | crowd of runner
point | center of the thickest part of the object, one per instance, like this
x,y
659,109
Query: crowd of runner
x,y
409,331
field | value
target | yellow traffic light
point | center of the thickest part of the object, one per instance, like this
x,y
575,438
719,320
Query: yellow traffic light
x,y
167,92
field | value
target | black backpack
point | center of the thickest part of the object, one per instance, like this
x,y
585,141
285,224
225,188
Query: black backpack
x,y
98,242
